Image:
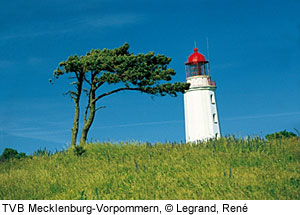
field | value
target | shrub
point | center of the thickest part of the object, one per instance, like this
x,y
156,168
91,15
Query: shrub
x,y
79,150
9,153
281,134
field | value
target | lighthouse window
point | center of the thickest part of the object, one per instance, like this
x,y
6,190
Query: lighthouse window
x,y
215,118
212,99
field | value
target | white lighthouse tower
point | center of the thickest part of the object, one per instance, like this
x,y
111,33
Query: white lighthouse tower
x,y
200,106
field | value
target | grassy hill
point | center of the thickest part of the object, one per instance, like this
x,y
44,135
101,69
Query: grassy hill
x,y
227,168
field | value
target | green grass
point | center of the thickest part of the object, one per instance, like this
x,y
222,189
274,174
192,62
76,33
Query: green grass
x,y
227,168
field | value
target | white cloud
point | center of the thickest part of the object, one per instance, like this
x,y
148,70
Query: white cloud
x,y
113,20
139,124
72,25
263,116
58,136
35,60
5,64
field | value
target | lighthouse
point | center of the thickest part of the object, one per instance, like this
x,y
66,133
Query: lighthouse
x,y
200,105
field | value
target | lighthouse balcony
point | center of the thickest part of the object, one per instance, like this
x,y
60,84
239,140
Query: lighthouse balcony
x,y
201,81
212,83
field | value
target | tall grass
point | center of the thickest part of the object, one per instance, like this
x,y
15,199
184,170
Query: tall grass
x,y
226,168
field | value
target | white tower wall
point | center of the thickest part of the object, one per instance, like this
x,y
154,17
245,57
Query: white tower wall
x,y
201,115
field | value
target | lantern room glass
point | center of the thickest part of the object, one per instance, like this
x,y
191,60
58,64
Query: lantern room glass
x,y
196,69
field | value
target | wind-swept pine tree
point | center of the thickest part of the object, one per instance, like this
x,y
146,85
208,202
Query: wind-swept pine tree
x,y
121,71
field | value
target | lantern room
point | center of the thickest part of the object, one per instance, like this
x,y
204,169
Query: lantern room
x,y
196,65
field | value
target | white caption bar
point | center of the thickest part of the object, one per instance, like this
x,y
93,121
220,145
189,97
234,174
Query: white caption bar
x,y
146,207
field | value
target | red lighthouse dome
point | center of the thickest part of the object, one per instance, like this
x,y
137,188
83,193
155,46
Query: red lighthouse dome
x,y
196,65
196,57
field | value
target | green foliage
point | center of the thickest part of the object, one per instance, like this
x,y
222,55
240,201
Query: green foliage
x,y
225,168
142,72
279,135
9,153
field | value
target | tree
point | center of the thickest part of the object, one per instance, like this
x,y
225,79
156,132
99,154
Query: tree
x,y
121,71
9,153
280,135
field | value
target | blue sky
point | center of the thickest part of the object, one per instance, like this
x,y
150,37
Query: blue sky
x,y
254,49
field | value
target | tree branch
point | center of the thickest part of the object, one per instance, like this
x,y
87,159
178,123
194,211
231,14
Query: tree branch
x,y
71,78
71,93
100,108
87,107
115,91
77,75
87,80
99,84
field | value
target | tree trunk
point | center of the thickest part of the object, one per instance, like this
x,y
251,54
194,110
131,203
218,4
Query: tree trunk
x,y
77,110
75,125
89,121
